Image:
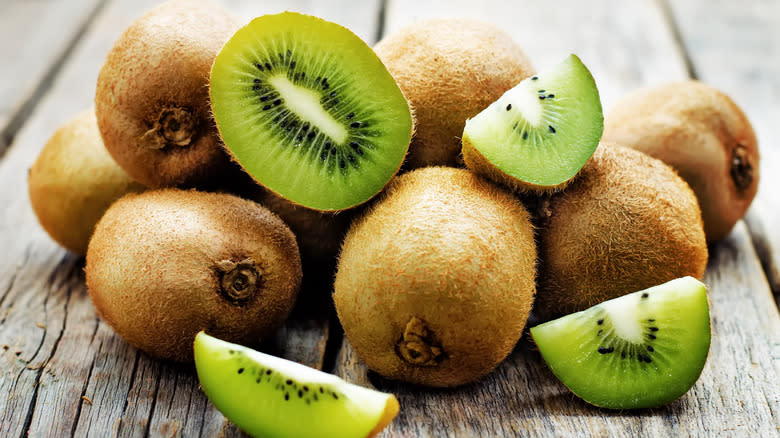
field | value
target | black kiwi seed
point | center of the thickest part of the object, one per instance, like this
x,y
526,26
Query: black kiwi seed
x,y
300,394
354,125
351,158
321,390
533,78
350,115
335,396
542,91
541,97
601,321
310,135
240,370
653,329
645,295
604,350
287,396
650,348
259,67
525,135
550,96
267,66
509,107
268,372
324,155
289,382
651,336
552,130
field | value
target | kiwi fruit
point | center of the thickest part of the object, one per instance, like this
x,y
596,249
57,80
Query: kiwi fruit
x,y
269,396
627,223
450,69
152,100
641,350
701,133
539,134
165,264
436,280
73,182
309,111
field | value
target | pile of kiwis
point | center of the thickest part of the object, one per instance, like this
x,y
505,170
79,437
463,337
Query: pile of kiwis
x,y
219,159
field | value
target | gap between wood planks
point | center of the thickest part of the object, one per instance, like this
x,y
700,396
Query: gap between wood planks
x,y
17,119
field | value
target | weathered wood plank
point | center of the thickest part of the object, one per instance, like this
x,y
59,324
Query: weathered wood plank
x,y
626,45
64,371
34,39
735,47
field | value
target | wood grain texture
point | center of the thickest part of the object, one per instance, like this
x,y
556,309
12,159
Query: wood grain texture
x,y
64,372
35,37
735,47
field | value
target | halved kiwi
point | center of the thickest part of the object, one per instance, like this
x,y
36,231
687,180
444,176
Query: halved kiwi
x,y
309,111
640,350
539,134
269,396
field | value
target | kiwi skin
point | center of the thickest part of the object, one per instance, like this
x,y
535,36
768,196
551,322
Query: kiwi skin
x,y
165,264
435,282
449,70
152,100
704,135
73,182
628,222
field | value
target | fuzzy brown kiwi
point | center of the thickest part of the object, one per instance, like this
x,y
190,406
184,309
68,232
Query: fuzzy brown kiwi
x,y
152,99
628,222
704,135
163,265
73,182
450,70
435,282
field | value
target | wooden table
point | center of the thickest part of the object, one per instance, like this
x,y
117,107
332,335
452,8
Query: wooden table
x,y
63,372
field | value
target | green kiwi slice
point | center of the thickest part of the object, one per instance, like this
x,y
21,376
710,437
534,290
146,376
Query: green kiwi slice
x,y
540,133
269,396
309,111
644,349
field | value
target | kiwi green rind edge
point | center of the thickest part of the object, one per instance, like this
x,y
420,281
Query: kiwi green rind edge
x,y
477,162
617,404
214,368
235,161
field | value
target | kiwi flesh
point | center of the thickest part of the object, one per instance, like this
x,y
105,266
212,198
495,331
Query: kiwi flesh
x,y
152,100
450,69
627,223
539,134
73,182
309,111
641,350
436,280
269,396
701,133
165,264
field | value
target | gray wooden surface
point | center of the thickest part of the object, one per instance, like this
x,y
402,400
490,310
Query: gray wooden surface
x,y
63,372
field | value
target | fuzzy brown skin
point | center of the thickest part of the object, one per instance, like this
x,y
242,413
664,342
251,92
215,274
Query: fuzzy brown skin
x,y
450,70
627,223
158,263
435,282
704,135
152,98
73,182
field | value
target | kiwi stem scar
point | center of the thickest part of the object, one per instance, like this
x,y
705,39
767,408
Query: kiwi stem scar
x,y
174,126
418,346
240,281
306,103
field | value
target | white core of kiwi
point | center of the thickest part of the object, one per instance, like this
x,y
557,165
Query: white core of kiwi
x,y
622,314
306,104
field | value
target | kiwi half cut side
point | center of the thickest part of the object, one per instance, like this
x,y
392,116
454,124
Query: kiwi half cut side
x,y
539,134
309,111
641,350
269,396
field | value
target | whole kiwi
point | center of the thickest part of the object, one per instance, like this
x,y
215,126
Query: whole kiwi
x,y
628,222
73,182
165,264
435,282
152,99
704,135
450,69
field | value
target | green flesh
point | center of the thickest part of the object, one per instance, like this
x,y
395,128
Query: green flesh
x,y
268,396
641,350
543,130
309,111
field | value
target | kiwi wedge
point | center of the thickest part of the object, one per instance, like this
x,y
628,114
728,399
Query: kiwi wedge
x,y
309,111
269,396
539,134
641,350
